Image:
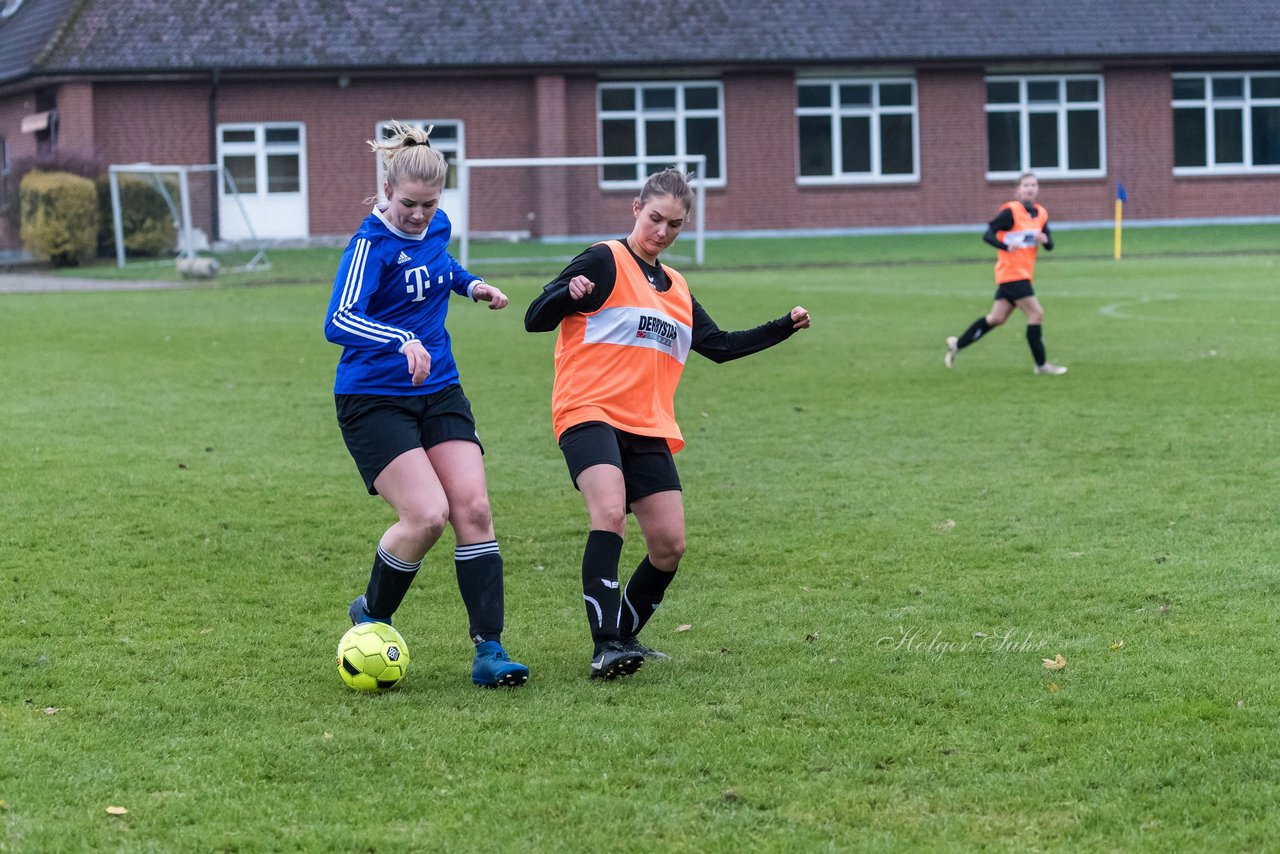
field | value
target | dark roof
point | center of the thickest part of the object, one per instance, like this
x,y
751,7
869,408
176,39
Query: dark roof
x,y
129,36
28,32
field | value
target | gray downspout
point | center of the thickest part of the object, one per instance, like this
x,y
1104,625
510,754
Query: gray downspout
x,y
215,181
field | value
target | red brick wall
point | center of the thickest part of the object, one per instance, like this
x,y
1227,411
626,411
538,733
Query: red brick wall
x,y
551,132
168,123
1139,142
342,170
76,119
162,123
22,146
953,149
12,109
496,113
507,116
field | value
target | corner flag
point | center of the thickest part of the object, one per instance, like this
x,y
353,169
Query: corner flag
x,y
1121,198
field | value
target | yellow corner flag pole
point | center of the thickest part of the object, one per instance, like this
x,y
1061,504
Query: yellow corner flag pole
x,y
1121,197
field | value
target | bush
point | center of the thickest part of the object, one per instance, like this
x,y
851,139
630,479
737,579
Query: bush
x,y
57,161
145,217
59,217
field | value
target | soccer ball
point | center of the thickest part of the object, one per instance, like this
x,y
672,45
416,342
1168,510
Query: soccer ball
x,y
372,657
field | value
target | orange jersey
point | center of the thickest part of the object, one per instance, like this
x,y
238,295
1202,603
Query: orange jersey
x,y
621,363
1019,262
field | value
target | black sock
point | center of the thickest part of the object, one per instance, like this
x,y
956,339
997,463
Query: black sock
x,y
1035,342
600,584
979,328
642,597
389,580
479,567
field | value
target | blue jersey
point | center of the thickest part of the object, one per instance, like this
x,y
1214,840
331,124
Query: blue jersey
x,y
392,288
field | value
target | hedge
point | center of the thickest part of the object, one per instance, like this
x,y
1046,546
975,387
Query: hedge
x,y
59,217
145,217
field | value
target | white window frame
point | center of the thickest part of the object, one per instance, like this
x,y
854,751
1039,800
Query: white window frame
x,y
451,148
260,149
1024,108
638,115
1211,104
835,111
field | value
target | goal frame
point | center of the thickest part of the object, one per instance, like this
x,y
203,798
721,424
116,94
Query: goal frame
x,y
181,218
697,161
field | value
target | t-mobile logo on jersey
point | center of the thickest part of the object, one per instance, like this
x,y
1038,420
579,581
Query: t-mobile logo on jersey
x,y
417,282
656,329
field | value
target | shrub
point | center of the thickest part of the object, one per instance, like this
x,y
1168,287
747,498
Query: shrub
x,y
145,217
59,217
56,161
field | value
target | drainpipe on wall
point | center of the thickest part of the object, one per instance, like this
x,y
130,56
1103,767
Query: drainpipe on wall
x,y
215,180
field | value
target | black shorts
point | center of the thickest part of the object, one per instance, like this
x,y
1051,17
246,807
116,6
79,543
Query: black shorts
x,y
646,462
380,427
1014,291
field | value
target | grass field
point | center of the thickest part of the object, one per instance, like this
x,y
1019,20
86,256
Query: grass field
x,y
881,554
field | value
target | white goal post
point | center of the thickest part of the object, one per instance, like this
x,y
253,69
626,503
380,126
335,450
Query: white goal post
x,y
181,218
697,161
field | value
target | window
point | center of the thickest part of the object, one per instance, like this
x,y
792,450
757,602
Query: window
x,y
663,121
44,122
265,159
446,137
856,130
1052,126
1226,122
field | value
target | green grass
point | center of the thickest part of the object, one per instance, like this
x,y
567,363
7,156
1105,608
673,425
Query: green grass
x,y
183,530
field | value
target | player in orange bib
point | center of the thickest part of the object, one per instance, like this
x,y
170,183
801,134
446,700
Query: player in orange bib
x,y
627,324
1018,231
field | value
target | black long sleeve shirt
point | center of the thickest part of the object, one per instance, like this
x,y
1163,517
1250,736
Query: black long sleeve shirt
x,y
1004,222
597,264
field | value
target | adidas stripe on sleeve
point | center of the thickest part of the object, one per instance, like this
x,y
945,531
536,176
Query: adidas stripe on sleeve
x,y
355,283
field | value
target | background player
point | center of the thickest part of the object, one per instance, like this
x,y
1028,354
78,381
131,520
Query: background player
x,y
1020,228
401,408
627,323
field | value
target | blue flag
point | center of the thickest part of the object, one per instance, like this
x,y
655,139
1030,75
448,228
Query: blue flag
x,y
1121,195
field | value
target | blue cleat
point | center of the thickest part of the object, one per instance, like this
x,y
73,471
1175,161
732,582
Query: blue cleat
x,y
495,669
360,614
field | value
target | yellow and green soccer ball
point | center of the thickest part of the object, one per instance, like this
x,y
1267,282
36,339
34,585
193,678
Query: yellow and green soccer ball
x,y
372,657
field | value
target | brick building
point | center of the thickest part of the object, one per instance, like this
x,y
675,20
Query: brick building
x,y
813,115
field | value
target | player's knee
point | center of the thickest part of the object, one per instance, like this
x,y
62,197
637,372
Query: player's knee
x,y
609,519
473,514
425,522
666,552
994,320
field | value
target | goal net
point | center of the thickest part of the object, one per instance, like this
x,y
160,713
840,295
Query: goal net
x,y
190,239
522,210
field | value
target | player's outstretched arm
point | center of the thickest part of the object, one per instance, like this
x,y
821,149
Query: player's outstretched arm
x,y
712,342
